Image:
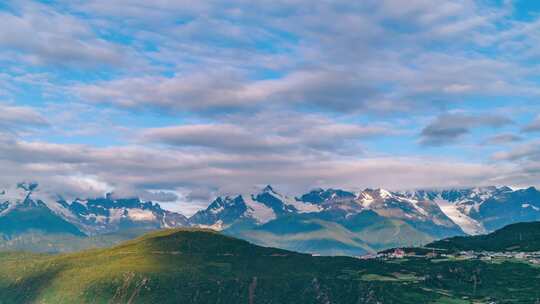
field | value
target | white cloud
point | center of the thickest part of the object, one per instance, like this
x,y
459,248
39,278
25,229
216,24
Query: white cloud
x,y
69,170
267,134
37,34
17,119
448,128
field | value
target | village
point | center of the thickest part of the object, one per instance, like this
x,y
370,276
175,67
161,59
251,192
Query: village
x,y
436,253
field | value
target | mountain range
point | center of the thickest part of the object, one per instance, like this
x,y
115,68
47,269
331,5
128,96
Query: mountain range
x,y
322,221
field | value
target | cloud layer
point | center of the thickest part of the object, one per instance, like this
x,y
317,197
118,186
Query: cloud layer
x,y
179,101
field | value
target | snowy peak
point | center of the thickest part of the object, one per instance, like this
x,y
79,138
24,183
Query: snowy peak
x,y
28,186
109,214
268,188
473,210
467,208
97,215
478,194
258,208
483,209
274,201
19,196
258,211
224,210
398,205
365,196
368,196
382,201
462,219
382,193
220,203
320,196
282,204
467,198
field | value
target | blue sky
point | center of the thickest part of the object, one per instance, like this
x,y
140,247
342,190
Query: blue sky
x,y
180,101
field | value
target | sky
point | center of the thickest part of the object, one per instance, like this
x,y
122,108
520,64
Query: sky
x,y
181,101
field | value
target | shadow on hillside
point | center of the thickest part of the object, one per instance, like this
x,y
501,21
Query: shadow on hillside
x,y
29,288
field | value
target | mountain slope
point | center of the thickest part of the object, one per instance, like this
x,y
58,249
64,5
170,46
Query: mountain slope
x,y
523,237
332,233
23,219
199,266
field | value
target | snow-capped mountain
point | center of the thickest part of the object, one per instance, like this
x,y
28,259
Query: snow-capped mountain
x,y
19,196
269,205
328,221
21,213
258,208
90,216
110,214
473,210
481,210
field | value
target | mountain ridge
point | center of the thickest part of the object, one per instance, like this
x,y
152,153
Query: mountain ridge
x,y
518,237
325,221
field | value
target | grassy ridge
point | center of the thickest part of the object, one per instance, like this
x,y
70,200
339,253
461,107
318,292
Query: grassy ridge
x,y
523,237
201,266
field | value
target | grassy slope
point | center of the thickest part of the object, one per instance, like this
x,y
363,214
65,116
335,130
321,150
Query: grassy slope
x,y
198,266
515,237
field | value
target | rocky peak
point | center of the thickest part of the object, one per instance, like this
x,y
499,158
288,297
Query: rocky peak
x,y
28,186
268,188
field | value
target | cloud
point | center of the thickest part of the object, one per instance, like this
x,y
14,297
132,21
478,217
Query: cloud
x,y
201,91
159,196
15,119
534,126
502,139
223,91
448,128
526,152
37,34
525,159
223,136
69,169
370,58
266,134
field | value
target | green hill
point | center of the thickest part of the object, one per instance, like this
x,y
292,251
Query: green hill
x,y
201,266
523,237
